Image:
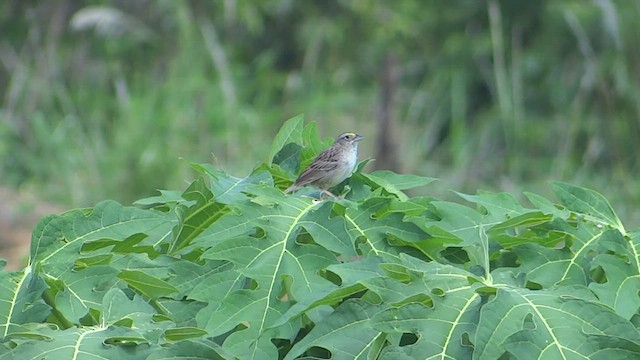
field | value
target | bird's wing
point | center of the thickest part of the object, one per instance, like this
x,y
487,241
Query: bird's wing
x,y
325,162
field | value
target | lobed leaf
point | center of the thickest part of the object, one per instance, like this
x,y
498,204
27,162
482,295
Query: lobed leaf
x,y
555,323
587,202
346,333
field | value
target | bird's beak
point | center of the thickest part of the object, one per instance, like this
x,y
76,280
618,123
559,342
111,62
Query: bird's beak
x,y
358,137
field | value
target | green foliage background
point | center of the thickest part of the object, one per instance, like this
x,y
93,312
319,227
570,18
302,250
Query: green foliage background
x,y
99,99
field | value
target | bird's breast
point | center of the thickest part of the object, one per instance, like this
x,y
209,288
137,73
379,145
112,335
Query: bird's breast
x,y
352,159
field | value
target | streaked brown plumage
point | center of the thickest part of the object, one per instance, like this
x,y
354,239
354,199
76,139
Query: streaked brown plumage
x,y
331,166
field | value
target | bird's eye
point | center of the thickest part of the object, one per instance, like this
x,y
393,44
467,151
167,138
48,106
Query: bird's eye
x,y
347,137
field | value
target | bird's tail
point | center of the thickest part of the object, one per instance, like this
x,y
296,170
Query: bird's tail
x,y
291,188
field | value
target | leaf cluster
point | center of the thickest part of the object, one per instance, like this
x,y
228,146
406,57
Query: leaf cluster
x,y
233,268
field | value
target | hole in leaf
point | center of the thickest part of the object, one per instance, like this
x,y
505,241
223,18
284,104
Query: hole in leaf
x,y
504,259
97,244
408,339
456,255
366,295
128,292
482,210
477,270
362,246
193,256
92,318
83,263
472,280
331,276
259,233
423,299
250,284
465,340
222,337
286,283
370,297
283,347
437,292
533,285
126,322
316,352
528,323
304,238
635,319
598,275
125,341
399,272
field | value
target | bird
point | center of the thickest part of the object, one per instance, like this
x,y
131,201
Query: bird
x,y
332,166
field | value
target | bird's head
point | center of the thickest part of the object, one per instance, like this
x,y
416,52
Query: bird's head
x,y
348,138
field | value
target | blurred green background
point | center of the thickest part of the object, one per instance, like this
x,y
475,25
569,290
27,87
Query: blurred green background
x,y
108,99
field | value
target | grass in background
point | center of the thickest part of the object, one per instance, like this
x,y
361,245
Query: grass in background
x,y
490,98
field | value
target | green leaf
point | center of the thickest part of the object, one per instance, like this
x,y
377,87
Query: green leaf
x,y
227,189
620,289
201,349
83,344
117,306
265,260
551,324
87,262
290,132
569,264
345,333
458,224
313,145
59,238
442,323
165,197
499,206
84,290
147,285
196,218
183,333
329,232
395,183
20,301
373,233
351,274
281,178
546,206
587,202
130,245
521,221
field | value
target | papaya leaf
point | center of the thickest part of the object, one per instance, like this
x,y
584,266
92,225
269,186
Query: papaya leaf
x,y
290,132
555,323
588,203
345,333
